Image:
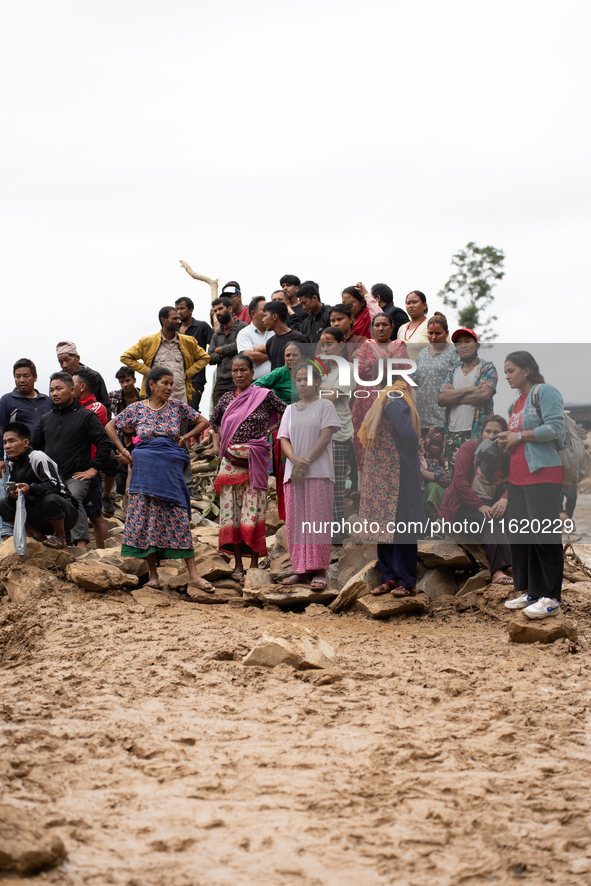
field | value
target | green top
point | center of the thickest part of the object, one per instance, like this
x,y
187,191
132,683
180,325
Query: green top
x,y
280,382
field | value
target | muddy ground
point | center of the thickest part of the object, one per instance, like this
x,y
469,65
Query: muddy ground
x,y
441,753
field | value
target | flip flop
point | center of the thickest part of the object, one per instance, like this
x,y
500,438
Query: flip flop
x,y
403,592
238,576
385,588
294,580
153,584
55,542
504,581
318,584
209,589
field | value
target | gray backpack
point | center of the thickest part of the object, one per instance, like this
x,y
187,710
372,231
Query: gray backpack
x,y
574,456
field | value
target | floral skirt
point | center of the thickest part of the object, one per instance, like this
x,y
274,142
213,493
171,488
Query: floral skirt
x,y
153,523
242,508
308,515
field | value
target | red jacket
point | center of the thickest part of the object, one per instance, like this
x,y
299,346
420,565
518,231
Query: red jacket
x,y
93,405
460,490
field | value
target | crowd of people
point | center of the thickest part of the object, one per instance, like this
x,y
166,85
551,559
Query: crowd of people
x,y
306,391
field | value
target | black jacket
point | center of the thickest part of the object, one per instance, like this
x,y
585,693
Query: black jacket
x,y
313,325
399,318
40,472
227,342
67,434
202,333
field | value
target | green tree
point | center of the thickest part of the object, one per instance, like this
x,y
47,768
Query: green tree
x,y
469,290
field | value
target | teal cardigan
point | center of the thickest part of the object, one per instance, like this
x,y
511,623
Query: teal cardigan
x,y
550,433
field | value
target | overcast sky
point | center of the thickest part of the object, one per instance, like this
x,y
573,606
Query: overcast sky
x,y
339,141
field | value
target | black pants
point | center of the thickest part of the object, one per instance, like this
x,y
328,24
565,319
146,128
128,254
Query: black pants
x,y
195,401
40,513
537,557
222,386
493,540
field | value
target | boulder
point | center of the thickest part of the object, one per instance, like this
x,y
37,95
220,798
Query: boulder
x,y
359,585
438,582
545,630
99,576
280,568
476,582
387,605
303,651
133,565
25,847
24,582
439,553
289,596
477,553
277,544
37,555
353,557
211,564
256,578
272,521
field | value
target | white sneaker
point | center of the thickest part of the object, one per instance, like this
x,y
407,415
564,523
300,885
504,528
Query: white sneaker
x,y
543,608
520,602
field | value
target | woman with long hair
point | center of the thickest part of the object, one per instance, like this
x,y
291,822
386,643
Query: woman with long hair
x,y
375,348
470,498
536,434
306,432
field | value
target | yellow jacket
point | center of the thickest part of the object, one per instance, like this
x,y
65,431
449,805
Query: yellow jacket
x,y
146,349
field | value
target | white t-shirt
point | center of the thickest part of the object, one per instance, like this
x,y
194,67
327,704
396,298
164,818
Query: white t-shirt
x,y
247,339
461,417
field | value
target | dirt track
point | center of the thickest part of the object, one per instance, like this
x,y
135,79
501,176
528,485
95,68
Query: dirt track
x,y
443,755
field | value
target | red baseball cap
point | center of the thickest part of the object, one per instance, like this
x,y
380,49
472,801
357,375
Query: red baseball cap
x,y
464,331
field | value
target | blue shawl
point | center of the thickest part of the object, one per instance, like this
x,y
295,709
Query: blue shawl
x,y
158,465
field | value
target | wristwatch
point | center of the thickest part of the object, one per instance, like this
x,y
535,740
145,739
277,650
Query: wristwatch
x,y
519,435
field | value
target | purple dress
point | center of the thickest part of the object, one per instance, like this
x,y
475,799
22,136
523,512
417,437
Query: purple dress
x,y
151,524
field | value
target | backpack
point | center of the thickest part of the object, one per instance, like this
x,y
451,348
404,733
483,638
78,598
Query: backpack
x,y
574,456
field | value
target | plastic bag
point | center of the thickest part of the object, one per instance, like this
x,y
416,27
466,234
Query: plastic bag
x,y
19,535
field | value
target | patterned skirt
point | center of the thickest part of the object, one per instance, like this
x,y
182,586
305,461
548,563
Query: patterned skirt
x,y
308,515
153,523
242,508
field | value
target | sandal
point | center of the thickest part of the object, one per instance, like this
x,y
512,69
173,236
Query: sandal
x,y
295,580
385,588
318,583
153,583
55,542
238,576
207,586
506,580
403,592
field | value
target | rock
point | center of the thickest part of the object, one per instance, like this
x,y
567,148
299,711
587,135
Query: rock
x,y
114,542
37,555
358,585
476,582
466,601
256,578
25,847
438,553
289,596
272,521
24,582
583,552
220,595
117,532
277,545
387,605
211,564
150,597
280,568
354,557
477,552
99,576
133,565
302,651
438,582
545,630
